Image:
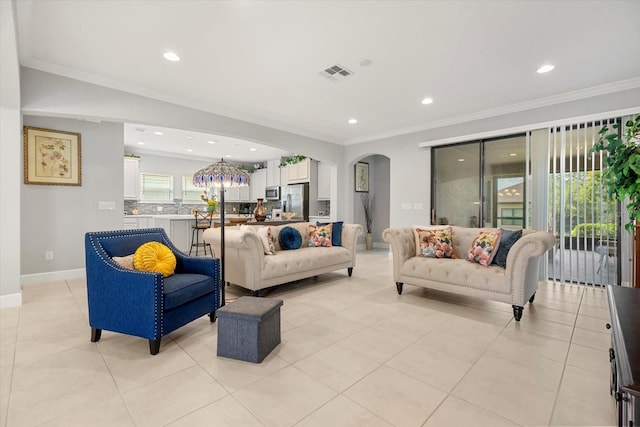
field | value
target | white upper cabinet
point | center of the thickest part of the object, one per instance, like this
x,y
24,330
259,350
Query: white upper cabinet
x,y
258,184
131,178
324,181
300,172
273,173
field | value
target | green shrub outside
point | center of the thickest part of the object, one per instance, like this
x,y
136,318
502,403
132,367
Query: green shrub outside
x,y
594,230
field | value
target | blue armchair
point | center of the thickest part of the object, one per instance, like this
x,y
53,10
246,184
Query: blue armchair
x,y
141,303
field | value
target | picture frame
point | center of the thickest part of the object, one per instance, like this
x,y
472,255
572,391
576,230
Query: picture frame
x,y
52,157
361,177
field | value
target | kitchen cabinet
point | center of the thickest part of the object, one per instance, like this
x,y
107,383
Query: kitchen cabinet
x,y
300,172
134,222
273,173
324,181
258,184
284,176
238,194
131,178
178,228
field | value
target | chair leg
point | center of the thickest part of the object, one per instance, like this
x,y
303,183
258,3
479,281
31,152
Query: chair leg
x,y
95,334
154,346
193,230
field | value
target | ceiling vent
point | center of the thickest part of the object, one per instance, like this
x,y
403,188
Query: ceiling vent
x,y
336,72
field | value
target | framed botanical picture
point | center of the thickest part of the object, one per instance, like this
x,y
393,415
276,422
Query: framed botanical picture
x,y
51,157
362,177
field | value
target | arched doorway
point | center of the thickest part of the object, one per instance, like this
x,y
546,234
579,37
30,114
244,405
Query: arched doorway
x,y
379,189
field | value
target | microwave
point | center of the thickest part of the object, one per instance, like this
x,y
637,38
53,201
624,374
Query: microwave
x,y
272,193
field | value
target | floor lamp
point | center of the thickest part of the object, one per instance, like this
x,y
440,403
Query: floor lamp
x,y
221,175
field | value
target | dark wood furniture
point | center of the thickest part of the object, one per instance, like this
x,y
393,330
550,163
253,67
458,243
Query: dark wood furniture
x,y
624,354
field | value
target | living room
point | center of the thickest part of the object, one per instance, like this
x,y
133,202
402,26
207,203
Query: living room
x,y
38,218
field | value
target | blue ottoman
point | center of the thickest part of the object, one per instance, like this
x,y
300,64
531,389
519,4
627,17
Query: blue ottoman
x,y
249,328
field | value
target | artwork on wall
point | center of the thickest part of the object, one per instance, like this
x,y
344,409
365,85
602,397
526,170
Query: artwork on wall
x,y
51,157
362,177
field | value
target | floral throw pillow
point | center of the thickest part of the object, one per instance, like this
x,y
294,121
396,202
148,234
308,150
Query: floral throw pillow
x,y
320,235
435,243
484,247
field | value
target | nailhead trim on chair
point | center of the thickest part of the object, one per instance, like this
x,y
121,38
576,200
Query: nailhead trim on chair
x,y
159,332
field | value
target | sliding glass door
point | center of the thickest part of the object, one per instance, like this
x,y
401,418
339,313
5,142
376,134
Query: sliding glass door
x,y
480,184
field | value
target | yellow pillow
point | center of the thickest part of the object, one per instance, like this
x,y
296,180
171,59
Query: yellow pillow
x,y
156,257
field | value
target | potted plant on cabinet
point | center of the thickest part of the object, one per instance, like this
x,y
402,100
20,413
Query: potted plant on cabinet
x,y
368,203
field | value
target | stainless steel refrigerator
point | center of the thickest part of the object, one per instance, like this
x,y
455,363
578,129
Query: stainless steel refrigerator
x,y
296,199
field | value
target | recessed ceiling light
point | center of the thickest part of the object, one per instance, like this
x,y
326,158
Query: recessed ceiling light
x,y
171,56
513,154
461,160
352,121
158,133
211,142
427,101
189,150
140,143
252,149
545,68
228,155
189,137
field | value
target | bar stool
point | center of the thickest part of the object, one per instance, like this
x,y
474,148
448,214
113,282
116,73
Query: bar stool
x,y
203,221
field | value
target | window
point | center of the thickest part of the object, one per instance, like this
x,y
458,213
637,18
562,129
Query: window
x,y
190,193
156,188
511,216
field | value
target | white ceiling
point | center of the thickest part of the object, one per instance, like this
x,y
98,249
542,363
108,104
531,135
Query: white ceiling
x,y
259,60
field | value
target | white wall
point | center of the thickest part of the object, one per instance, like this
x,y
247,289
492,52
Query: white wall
x,y
10,160
55,218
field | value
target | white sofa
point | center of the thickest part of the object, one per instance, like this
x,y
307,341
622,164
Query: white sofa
x,y
248,266
514,285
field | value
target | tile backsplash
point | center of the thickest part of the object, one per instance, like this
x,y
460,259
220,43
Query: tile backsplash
x,y
178,207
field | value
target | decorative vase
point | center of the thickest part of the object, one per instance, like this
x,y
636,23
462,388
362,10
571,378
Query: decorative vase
x,y
260,213
368,241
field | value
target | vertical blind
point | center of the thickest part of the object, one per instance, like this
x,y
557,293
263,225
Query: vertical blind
x,y
582,216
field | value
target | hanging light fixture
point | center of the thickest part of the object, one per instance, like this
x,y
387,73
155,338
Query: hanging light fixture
x,y
221,175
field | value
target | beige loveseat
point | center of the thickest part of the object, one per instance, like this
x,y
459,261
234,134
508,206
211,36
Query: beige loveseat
x,y
514,285
248,266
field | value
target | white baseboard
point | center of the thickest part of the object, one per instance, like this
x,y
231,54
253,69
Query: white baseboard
x,y
11,300
51,276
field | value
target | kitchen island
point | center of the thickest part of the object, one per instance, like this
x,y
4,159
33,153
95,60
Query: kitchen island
x,y
179,226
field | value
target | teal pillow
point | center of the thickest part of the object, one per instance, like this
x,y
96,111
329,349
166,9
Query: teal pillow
x,y
289,238
507,239
336,232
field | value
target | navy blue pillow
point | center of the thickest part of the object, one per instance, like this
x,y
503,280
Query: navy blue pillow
x,y
507,239
289,238
336,232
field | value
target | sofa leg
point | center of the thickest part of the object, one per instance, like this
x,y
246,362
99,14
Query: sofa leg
x,y
212,316
532,297
399,287
258,293
95,334
349,271
517,312
154,346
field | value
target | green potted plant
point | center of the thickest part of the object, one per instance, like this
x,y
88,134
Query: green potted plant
x,y
622,175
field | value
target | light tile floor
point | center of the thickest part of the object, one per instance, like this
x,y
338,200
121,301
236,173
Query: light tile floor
x,y
353,353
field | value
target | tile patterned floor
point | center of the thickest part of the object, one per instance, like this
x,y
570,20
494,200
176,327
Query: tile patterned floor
x,y
353,353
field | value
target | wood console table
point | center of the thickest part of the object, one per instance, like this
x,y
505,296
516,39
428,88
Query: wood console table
x,y
624,354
